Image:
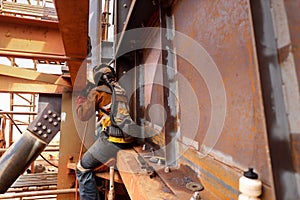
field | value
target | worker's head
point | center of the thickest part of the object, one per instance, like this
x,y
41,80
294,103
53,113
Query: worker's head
x,y
103,72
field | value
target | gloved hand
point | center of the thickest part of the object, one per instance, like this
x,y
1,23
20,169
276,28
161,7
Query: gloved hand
x,y
80,100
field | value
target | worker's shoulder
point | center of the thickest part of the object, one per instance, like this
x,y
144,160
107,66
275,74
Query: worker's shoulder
x,y
102,88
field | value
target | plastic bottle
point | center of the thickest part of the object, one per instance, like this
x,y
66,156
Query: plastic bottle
x,y
250,186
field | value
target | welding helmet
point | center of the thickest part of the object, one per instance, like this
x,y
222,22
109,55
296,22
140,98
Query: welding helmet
x,y
102,73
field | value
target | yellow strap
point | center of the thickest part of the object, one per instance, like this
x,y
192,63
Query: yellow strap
x,y
119,140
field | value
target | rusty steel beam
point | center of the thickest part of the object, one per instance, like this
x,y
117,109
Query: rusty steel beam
x,y
10,84
274,106
73,24
29,38
28,74
70,134
169,83
29,81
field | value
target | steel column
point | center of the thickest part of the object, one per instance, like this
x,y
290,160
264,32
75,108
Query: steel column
x,y
171,126
276,118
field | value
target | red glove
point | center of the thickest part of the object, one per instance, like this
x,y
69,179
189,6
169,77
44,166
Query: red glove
x,y
80,100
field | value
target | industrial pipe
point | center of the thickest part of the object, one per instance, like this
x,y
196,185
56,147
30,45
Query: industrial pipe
x,y
28,147
19,156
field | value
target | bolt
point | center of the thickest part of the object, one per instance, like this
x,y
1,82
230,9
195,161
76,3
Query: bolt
x,y
49,112
125,5
55,123
49,131
34,129
58,119
54,115
45,116
39,124
152,150
167,170
50,120
40,132
45,136
144,147
44,127
159,162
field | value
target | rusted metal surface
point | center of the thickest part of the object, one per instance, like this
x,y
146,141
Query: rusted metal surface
x,y
29,37
137,182
69,135
73,19
293,15
169,83
275,111
38,179
295,143
217,177
121,13
29,81
9,84
28,74
224,29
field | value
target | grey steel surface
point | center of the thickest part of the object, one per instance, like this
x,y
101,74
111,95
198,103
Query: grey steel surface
x,y
276,119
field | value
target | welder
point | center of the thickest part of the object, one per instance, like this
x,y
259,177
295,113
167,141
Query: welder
x,y
108,100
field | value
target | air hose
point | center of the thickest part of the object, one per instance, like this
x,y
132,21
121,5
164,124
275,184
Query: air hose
x,y
116,129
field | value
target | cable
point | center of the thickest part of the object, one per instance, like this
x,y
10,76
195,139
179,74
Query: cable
x,y
45,159
14,123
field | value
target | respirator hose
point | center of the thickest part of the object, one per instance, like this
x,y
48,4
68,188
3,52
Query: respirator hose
x,y
113,106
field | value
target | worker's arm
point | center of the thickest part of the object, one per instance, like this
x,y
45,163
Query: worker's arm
x,y
85,106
